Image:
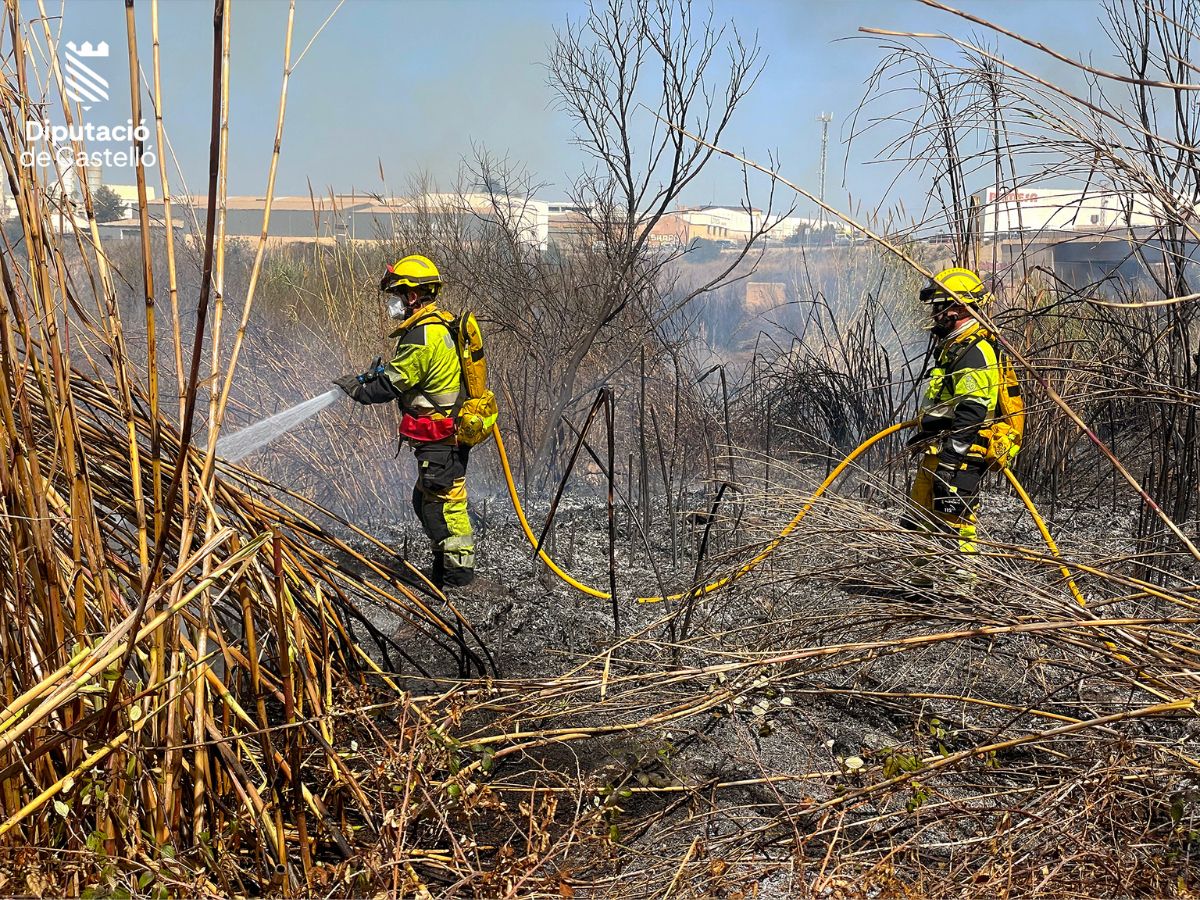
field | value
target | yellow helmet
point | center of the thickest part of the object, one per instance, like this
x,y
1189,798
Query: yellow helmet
x,y
412,272
958,284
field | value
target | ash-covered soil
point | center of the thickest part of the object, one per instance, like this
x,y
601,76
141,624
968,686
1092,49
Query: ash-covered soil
x,y
795,729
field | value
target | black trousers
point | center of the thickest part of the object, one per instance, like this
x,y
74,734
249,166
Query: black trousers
x,y
439,499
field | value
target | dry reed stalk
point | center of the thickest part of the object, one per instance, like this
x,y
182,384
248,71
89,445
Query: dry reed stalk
x,y
168,220
167,639
217,412
109,314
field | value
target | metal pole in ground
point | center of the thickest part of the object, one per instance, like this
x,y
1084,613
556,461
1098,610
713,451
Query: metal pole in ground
x,y
609,422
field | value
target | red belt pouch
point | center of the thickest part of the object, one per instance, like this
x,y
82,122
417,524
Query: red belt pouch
x,y
426,428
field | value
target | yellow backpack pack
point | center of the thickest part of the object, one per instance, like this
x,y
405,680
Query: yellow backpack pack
x,y
479,410
1005,433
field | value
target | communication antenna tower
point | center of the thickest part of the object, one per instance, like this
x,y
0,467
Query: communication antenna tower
x,y
824,118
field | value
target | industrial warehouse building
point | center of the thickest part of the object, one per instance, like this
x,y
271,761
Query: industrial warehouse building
x,y
1042,213
357,217
1099,241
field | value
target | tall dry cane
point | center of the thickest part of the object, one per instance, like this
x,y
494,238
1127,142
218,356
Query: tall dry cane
x,y
218,399
110,315
158,650
217,411
220,28
169,229
135,109
34,227
169,648
50,380
200,787
54,384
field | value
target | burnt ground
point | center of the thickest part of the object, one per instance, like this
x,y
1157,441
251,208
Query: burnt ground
x,y
831,583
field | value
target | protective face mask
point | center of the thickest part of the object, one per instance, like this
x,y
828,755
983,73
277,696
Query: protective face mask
x,y
944,321
396,308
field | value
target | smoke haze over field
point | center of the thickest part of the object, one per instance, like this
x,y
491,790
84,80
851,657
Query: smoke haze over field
x,y
412,85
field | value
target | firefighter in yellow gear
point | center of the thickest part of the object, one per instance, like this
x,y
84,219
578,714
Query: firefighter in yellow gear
x,y
958,401
424,377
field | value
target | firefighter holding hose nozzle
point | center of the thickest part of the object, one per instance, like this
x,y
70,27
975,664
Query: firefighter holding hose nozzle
x,y
426,376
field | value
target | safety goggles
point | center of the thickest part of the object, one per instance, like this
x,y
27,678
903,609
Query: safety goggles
x,y
940,311
938,294
389,284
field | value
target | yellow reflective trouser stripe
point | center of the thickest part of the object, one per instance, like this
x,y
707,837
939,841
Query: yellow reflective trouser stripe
x,y
459,547
930,519
459,542
445,513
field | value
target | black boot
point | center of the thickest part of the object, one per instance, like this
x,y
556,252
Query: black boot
x,y
438,574
457,576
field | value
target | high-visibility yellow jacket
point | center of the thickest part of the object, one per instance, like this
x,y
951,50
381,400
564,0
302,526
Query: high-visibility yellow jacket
x,y
425,370
961,391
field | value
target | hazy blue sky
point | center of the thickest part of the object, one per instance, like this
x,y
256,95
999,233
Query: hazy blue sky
x,y
410,85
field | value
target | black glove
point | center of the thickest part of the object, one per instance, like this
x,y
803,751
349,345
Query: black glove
x,y
370,386
946,499
919,442
349,384
929,430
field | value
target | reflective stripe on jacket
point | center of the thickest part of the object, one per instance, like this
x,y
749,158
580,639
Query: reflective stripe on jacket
x,y
962,390
425,370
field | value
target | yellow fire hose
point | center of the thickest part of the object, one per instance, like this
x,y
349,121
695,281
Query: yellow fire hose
x,y
720,582
791,526
1075,592
516,502
1041,524
787,530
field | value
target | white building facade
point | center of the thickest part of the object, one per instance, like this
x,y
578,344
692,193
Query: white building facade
x,y
1037,211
